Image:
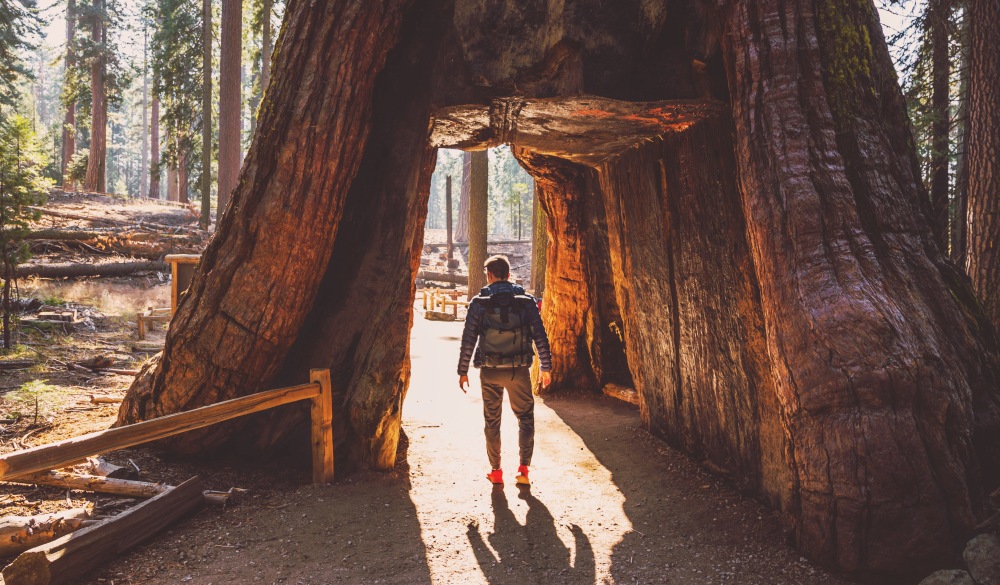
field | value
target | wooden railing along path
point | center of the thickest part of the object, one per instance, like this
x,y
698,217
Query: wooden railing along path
x,y
65,452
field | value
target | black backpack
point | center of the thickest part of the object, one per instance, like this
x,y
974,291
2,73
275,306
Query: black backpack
x,y
506,331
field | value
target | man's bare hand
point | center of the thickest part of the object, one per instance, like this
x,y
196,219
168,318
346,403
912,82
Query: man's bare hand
x,y
546,379
463,381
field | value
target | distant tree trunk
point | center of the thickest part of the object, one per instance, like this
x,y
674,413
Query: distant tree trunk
x,y
539,243
462,227
97,160
960,203
479,204
849,276
173,190
154,147
230,102
206,114
983,152
266,47
182,175
938,14
69,122
144,161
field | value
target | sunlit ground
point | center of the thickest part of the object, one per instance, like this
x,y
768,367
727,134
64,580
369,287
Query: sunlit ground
x,y
566,525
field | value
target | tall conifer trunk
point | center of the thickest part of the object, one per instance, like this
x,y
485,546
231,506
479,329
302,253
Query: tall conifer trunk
x,y
479,201
230,102
69,121
983,152
939,15
154,147
97,161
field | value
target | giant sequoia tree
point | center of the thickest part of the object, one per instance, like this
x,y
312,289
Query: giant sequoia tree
x,y
750,195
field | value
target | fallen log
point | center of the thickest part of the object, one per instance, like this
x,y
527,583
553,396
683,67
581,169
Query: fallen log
x,y
105,220
68,558
443,277
107,269
15,364
100,467
19,533
128,488
623,393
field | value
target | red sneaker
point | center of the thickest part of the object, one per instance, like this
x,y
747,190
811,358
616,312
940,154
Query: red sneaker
x,y
495,476
522,475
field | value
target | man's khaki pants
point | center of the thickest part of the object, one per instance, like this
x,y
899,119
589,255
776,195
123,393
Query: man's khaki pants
x,y
517,381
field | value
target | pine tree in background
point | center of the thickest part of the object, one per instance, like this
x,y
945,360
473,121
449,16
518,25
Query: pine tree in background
x,y
20,23
21,184
230,103
69,99
177,58
479,201
97,57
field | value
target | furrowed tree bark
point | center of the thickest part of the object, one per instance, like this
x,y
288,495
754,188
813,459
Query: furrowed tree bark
x,y
230,103
360,325
873,337
960,202
96,162
220,346
69,121
983,152
266,48
479,185
462,227
539,244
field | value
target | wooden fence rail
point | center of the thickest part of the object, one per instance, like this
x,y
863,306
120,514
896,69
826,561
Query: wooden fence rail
x,y
61,453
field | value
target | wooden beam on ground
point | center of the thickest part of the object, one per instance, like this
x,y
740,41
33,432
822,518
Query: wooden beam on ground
x,y
56,455
108,485
19,533
68,558
443,277
622,393
322,427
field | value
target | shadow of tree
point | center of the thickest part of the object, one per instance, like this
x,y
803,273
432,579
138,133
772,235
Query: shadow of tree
x,y
528,553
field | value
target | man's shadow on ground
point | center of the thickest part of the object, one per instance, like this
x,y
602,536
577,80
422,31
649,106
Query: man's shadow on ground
x,y
529,553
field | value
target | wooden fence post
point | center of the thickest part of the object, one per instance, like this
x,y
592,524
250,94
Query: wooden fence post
x,y
322,427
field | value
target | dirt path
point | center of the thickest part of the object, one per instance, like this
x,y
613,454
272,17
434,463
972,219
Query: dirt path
x,y
609,504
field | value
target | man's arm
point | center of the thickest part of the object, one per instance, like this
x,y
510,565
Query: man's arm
x,y
540,338
470,335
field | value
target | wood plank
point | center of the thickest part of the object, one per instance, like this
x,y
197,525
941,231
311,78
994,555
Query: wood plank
x,y
19,533
622,393
322,427
113,486
68,558
55,455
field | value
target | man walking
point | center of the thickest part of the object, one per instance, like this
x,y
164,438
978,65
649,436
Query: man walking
x,y
500,326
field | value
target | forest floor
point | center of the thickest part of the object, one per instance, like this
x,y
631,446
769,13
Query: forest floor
x,y
608,504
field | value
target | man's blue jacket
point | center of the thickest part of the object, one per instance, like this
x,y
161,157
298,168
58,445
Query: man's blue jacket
x,y
474,321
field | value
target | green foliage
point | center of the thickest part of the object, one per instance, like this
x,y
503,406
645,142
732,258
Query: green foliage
x,y
19,23
177,57
77,168
847,55
22,183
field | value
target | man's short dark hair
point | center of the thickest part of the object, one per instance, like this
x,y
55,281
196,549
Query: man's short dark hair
x,y
498,266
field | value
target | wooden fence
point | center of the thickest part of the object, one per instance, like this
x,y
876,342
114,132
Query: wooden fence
x,y
68,451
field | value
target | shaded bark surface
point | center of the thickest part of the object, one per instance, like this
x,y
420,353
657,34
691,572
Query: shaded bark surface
x,y
875,353
154,147
983,152
69,120
94,180
219,345
462,223
230,102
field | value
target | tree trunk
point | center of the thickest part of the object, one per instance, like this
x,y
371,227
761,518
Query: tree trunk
x,y
69,122
230,102
960,203
154,147
320,110
539,243
97,160
266,48
182,176
938,15
143,160
479,202
462,225
206,114
856,296
173,185
983,152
